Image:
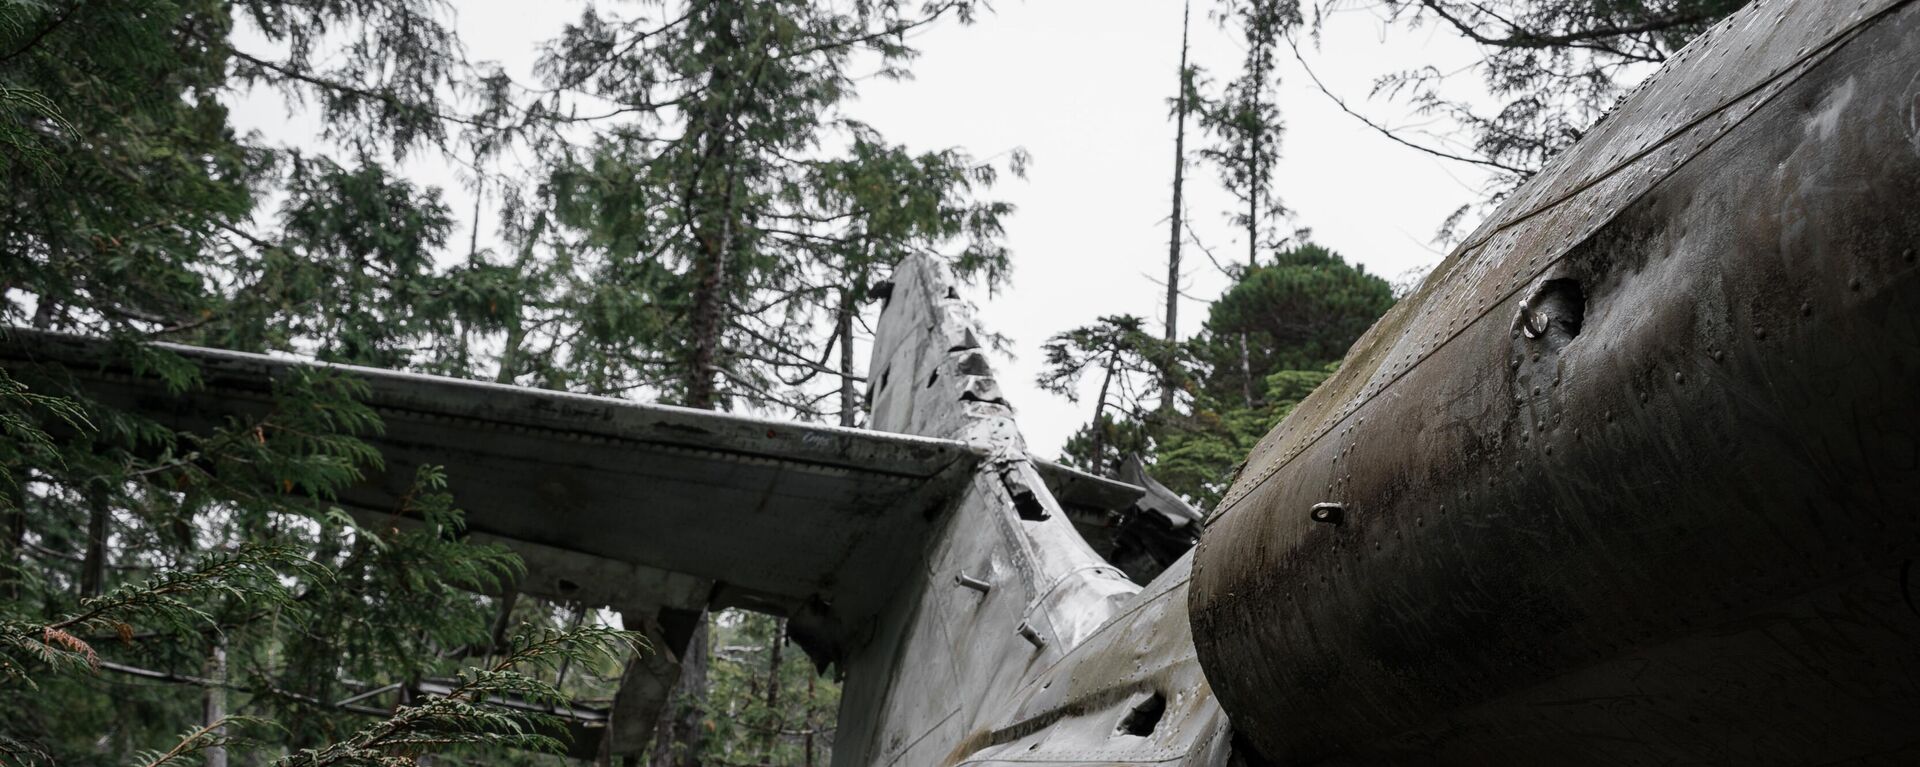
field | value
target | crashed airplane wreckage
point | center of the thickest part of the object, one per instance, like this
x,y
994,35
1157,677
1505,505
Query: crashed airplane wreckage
x,y
1634,477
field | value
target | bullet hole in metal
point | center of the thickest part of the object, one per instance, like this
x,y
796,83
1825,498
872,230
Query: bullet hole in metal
x,y
1144,717
952,293
932,378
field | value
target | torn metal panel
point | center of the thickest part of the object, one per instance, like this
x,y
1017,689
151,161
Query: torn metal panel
x,y
1009,591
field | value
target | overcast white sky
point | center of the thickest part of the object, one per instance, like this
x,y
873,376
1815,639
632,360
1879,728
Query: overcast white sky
x,y
1082,86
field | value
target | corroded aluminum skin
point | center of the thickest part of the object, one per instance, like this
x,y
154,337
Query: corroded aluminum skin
x,y
946,676
1685,534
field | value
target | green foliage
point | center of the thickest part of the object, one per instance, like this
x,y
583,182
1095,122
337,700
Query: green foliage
x,y
1302,312
1557,67
468,715
1274,336
769,705
1128,360
706,241
721,262
1244,119
1199,455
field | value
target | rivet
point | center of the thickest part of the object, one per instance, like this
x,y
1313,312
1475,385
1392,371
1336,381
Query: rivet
x,y
1679,377
1719,355
1806,309
1854,283
1759,332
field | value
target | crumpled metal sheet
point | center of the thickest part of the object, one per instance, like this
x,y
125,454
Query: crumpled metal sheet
x,y
1046,664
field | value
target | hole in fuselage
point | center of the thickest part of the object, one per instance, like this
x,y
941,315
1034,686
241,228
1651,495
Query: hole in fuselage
x,y
1144,716
1564,305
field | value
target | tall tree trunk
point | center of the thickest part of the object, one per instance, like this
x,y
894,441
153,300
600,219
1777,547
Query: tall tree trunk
x,y
16,517
806,748
216,702
1098,448
93,568
1253,201
1169,378
843,330
773,664
708,303
680,734
711,219
1246,372
773,690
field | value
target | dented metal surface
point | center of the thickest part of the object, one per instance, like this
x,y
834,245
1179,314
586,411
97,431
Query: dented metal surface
x,y
1632,477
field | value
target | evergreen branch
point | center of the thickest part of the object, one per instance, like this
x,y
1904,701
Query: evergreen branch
x,y
1525,38
1388,132
44,31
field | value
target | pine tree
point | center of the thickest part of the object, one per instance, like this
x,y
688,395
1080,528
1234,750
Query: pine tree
x,y
1245,119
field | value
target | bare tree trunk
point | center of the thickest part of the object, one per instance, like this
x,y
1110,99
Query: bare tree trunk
x,y
1246,372
678,737
1253,205
807,746
216,701
843,329
93,568
773,690
1169,378
773,664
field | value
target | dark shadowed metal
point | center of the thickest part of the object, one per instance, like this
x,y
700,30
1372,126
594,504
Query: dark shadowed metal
x,y
1634,478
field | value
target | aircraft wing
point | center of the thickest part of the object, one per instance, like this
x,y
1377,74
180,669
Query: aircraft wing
x,y
610,501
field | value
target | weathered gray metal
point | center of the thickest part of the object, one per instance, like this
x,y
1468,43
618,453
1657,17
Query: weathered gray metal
x,y
612,502
1633,477
1048,663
